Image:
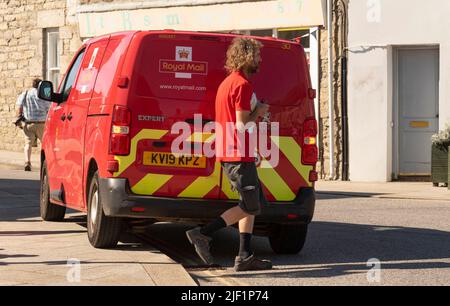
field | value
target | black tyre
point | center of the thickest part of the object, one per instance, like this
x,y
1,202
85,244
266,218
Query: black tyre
x,y
49,211
288,239
103,231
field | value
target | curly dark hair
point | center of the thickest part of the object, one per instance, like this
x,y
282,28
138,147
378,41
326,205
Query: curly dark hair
x,y
243,54
36,82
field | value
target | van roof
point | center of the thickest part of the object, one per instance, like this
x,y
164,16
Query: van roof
x,y
197,33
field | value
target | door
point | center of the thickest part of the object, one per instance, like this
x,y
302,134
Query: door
x,y
418,105
64,149
74,130
54,158
175,87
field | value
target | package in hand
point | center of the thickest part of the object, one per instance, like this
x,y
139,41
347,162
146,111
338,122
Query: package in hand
x,y
253,103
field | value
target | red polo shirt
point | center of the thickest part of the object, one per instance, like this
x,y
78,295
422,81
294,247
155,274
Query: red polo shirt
x,y
234,94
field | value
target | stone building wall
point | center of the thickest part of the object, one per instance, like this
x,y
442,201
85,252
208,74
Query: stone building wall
x,y
339,36
22,53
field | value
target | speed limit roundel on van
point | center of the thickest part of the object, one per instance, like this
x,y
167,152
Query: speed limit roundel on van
x,y
183,67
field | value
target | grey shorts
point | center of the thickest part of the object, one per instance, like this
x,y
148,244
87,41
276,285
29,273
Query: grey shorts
x,y
243,177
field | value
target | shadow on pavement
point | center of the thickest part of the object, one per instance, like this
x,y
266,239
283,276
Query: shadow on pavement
x,y
332,249
337,249
20,187
336,270
325,195
82,262
16,256
127,243
38,233
19,199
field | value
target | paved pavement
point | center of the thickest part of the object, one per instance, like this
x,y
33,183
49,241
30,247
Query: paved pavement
x,y
403,225
33,252
15,160
410,238
388,190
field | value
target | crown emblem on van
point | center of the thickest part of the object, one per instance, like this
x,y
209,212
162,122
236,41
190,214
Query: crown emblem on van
x,y
183,53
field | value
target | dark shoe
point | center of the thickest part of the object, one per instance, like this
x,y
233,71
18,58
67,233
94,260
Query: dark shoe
x,y
201,243
27,167
251,263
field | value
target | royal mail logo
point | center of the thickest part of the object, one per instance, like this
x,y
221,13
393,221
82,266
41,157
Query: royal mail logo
x,y
183,66
183,53
167,66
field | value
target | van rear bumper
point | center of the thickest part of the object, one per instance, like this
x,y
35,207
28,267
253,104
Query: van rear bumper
x,y
119,201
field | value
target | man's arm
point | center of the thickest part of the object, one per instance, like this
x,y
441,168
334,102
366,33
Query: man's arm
x,y
19,104
244,117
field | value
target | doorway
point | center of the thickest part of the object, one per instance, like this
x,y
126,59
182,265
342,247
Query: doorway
x,y
416,112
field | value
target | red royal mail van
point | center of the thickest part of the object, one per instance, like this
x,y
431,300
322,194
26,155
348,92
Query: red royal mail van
x,y
107,143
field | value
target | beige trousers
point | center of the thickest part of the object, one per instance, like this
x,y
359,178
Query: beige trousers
x,y
33,131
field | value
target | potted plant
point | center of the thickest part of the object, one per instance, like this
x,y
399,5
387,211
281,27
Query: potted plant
x,y
440,156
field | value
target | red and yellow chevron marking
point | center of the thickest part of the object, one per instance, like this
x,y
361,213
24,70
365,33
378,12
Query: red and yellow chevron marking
x,y
280,183
126,161
203,184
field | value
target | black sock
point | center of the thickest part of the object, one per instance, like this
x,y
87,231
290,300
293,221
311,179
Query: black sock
x,y
213,227
244,248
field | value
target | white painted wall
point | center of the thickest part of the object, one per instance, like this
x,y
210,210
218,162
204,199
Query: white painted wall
x,y
375,28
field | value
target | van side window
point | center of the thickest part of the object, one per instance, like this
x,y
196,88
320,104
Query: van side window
x,y
71,75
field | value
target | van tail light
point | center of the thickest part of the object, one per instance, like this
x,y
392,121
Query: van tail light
x,y
120,131
309,145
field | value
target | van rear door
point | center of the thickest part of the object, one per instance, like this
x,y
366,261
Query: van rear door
x,y
283,82
175,81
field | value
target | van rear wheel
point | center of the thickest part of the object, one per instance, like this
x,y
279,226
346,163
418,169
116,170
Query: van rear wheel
x,y
103,231
48,210
288,238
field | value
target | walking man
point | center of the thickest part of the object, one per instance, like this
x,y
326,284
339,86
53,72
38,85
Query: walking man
x,y
35,112
233,109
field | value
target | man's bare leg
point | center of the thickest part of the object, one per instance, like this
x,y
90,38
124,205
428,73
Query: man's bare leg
x,y
246,224
234,215
27,151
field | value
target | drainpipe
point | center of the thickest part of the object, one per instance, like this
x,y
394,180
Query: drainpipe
x,y
344,122
330,86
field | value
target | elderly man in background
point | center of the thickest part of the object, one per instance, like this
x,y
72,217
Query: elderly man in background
x,y
34,111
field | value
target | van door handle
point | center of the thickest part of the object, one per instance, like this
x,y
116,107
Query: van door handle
x,y
204,121
69,117
159,144
63,117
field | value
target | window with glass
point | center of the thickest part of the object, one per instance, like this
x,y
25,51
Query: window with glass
x,y
262,33
52,51
302,34
71,75
287,34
